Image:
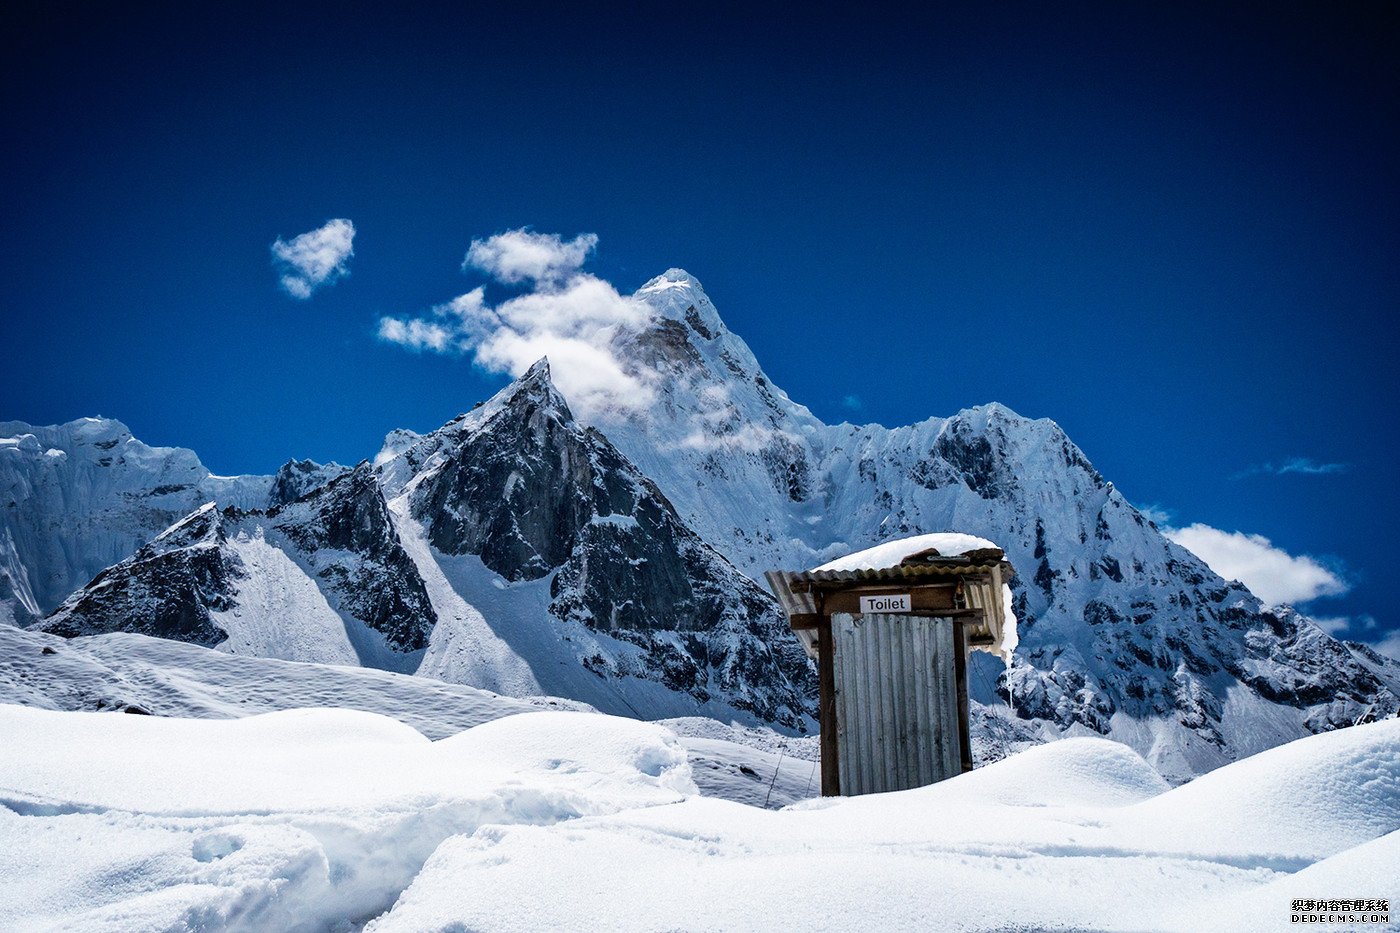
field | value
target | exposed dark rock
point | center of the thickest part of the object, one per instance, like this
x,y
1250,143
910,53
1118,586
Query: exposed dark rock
x,y
972,456
692,317
532,492
345,529
166,589
296,478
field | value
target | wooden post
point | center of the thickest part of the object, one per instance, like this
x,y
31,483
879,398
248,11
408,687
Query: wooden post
x,y
826,684
964,725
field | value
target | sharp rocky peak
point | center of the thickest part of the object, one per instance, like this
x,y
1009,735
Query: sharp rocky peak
x,y
533,390
169,588
537,373
203,526
298,478
530,396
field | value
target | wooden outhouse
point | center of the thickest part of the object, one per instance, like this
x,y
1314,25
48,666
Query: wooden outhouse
x,y
890,629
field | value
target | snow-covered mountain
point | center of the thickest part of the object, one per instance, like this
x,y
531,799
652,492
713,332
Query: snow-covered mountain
x,y
513,549
554,566
1123,632
78,497
323,578
523,551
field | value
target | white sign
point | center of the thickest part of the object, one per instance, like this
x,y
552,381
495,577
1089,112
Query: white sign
x,y
900,603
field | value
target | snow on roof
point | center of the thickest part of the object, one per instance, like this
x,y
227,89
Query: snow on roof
x,y
893,553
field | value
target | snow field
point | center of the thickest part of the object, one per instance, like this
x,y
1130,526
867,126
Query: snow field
x,y
171,678
332,819
299,820
280,612
1078,835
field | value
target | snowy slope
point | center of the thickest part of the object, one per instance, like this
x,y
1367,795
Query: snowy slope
x,y
162,677
259,823
121,672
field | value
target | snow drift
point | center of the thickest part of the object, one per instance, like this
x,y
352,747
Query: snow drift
x,y
1074,835
326,819
290,821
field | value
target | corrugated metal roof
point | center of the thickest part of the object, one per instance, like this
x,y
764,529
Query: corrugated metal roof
x,y
984,571
913,568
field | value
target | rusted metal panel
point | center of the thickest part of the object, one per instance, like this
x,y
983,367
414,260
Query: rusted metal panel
x,y
896,701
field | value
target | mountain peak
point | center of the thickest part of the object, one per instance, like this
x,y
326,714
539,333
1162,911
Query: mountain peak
x,y
673,278
204,527
534,386
296,478
989,414
73,434
537,373
678,295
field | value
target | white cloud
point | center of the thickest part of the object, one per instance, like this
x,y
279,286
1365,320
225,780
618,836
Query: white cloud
x,y
415,334
1271,573
568,315
1303,466
1389,646
315,258
525,256
1159,515
747,436
1332,625
852,402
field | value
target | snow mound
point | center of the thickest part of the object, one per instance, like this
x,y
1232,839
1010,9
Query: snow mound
x,y
892,553
277,761
1041,841
1370,867
1072,772
1308,799
569,743
295,760
298,820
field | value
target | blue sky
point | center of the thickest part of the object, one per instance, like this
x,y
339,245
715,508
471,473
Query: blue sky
x,y
1173,229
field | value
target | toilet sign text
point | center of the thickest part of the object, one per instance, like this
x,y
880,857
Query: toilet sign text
x,y
899,603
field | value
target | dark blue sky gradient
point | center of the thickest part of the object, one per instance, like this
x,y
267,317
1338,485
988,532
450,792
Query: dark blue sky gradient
x,y
1173,229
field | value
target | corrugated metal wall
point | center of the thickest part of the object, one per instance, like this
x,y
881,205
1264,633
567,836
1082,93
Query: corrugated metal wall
x,y
896,701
